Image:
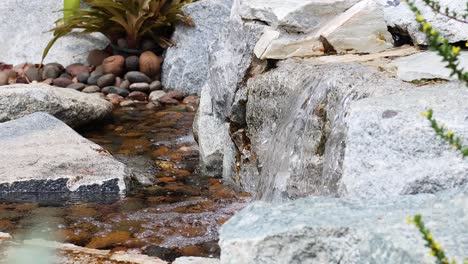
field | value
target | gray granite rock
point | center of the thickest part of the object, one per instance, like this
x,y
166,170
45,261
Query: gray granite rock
x,y
332,230
42,156
27,23
72,107
186,64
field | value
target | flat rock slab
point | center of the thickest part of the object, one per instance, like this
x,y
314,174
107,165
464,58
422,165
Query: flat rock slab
x,y
72,107
41,158
24,34
391,150
330,230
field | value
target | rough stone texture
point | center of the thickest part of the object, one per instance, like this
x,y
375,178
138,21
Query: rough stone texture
x,y
24,35
41,155
186,65
425,65
230,59
330,230
295,126
398,15
72,107
391,150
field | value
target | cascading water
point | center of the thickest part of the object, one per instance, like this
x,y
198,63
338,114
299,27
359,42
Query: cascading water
x,y
295,152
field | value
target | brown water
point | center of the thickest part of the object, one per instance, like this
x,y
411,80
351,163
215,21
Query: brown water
x,y
178,214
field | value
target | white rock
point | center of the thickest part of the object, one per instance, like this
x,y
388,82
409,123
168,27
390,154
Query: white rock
x,y
24,34
425,65
398,14
42,155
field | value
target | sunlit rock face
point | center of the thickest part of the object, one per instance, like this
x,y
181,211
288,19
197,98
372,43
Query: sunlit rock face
x,y
399,16
24,34
42,159
309,28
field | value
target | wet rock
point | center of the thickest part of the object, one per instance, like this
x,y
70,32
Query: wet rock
x,y
132,63
156,85
137,77
77,86
150,64
140,87
3,78
97,57
191,100
178,95
156,96
34,74
128,103
77,68
125,84
114,64
83,77
115,90
72,107
186,65
91,89
168,100
59,163
115,99
139,96
62,82
113,239
152,105
332,230
93,79
161,252
106,80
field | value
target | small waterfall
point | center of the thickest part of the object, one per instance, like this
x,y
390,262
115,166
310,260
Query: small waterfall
x,y
297,143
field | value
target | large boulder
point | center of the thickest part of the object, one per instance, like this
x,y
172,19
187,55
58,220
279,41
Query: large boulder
x,y
332,230
42,158
72,107
391,150
186,64
399,17
24,34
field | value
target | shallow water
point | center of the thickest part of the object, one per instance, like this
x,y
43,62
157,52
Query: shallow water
x,y
179,211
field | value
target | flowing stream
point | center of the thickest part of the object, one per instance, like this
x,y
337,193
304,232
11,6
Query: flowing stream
x,y
177,214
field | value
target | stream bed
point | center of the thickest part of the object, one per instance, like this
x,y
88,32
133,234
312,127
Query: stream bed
x,y
177,213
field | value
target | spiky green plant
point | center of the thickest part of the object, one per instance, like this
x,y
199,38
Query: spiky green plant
x,y
130,19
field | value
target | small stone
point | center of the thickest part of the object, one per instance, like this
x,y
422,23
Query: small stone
x,y
114,65
65,75
115,90
140,87
34,74
62,82
106,80
168,100
96,57
191,100
128,103
122,43
83,77
150,64
137,77
77,86
11,73
156,95
93,79
52,70
77,68
132,63
48,81
3,78
91,89
115,99
178,95
152,105
139,96
99,70
125,84
118,81
156,85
